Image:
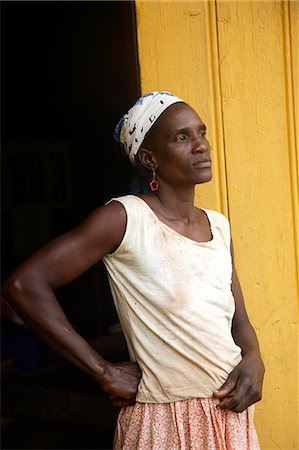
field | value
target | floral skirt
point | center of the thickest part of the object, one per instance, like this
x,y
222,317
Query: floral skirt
x,y
185,424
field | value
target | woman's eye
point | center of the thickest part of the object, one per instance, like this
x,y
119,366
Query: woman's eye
x,y
181,137
202,133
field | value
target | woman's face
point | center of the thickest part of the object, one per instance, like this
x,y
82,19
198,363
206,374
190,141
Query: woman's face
x,y
180,148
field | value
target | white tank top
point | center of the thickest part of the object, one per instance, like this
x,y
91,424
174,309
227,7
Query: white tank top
x,y
175,305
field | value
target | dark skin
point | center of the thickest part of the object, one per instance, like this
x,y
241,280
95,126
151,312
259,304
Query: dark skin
x,y
180,154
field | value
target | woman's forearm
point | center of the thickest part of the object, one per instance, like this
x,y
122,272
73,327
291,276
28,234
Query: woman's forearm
x,y
245,337
35,302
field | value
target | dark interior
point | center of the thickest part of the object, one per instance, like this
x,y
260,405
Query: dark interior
x,y
69,72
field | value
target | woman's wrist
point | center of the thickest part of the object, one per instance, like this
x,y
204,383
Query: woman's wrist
x,y
97,367
254,355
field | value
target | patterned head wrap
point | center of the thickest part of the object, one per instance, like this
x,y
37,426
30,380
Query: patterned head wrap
x,y
133,126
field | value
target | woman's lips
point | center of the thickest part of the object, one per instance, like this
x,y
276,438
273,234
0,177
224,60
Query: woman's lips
x,y
203,163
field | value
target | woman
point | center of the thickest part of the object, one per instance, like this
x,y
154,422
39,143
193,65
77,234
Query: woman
x,y
196,367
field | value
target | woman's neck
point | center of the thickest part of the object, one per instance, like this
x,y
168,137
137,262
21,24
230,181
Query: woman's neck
x,y
176,204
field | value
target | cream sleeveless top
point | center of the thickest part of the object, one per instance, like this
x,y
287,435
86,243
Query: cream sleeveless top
x,y
175,305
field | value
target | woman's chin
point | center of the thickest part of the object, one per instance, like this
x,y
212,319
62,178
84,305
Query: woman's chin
x,y
205,177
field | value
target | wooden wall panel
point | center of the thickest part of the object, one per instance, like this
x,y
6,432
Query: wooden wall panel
x,y
178,53
257,93
237,64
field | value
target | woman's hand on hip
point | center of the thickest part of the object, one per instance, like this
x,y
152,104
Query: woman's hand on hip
x,y
120,381
244,384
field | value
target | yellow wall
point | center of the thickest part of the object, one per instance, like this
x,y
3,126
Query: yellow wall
x,y
237,64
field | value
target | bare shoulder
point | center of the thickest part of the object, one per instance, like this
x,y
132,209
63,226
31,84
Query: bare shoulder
x,y
108,222
103,229
112,214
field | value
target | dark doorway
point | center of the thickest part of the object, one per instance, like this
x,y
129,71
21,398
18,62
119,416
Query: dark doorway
x,y
69,72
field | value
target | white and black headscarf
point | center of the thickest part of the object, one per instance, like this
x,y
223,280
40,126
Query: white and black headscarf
x,y
133,126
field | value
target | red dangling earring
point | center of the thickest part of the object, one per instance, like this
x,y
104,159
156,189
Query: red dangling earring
x,y
154,184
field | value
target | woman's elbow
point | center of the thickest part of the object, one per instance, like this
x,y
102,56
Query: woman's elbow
x,y
12,289
18,288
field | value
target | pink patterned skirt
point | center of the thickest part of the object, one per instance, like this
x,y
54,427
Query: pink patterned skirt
x,y
185,424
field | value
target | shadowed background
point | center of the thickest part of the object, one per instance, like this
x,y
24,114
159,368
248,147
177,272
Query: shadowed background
x,y
69,72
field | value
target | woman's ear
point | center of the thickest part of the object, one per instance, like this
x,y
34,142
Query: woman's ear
x,y
147,158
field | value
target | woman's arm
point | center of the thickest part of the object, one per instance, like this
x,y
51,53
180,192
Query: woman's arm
x,y
244,385
30,291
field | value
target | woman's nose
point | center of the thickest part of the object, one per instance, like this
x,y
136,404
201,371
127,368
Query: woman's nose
x,y
200,144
